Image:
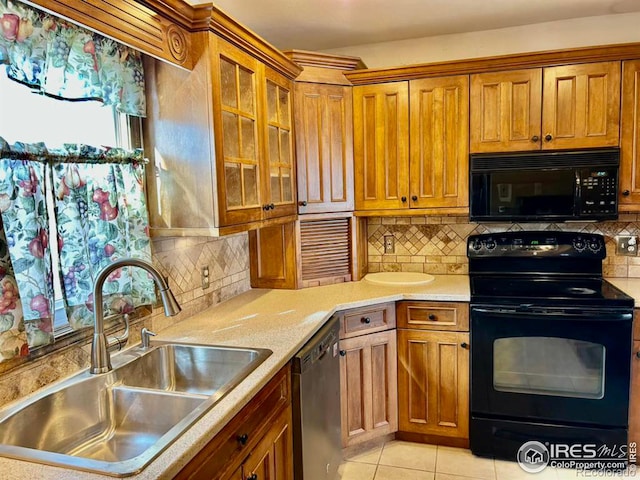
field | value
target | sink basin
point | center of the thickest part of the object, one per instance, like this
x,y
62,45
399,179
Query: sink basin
x,y
116,423
186,368
399,278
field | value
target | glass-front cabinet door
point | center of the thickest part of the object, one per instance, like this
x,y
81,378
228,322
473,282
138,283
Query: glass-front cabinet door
x,y
235,94
279,190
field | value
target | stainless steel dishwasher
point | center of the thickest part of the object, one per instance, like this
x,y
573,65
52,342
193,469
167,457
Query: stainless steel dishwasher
x,y
316,406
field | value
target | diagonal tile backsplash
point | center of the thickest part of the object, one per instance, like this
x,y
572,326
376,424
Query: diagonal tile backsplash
x,y
437,245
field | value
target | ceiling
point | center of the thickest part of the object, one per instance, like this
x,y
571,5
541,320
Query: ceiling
x,y
327,24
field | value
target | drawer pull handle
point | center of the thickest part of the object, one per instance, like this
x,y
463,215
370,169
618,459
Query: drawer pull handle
x,y
253,476
343,353
431,317
464,345
366,320
243,439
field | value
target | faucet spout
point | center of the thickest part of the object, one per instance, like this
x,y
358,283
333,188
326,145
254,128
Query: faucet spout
x,y
100,357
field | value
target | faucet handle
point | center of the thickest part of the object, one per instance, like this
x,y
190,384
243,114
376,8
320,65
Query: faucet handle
x,y
146,335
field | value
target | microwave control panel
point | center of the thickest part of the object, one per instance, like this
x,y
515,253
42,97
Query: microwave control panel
x,y
598,190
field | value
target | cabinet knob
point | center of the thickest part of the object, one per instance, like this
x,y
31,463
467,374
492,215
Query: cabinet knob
x,y
535,139
637,354
626,193
431,316
464,345
548,137
366,320
265,207
303,203
243,439
343,353
253,476
414,198
404,199
272,206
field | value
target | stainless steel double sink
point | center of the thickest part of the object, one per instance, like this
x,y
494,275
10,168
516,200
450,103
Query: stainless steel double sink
x,y
116,423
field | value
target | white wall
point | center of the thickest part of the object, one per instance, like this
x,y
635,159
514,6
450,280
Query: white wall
x,y
580,32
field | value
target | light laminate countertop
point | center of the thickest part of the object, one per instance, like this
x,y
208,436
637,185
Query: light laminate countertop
x,y
630,286
280,320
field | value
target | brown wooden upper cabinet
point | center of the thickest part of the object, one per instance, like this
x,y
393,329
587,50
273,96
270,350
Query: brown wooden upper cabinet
x,y
324,145
254,125
412,160
279,190
629,199
565,107
221,141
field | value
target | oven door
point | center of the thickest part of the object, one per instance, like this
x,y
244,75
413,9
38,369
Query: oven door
x,y
551,366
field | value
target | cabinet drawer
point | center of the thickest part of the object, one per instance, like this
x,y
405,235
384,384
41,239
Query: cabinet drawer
x,y
433,316
360,321
228,449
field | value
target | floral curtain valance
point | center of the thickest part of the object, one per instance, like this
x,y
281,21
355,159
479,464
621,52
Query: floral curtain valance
x,y
63,60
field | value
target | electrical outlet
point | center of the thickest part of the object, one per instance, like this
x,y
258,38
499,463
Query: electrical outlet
x,y
389,244
627,245
205,277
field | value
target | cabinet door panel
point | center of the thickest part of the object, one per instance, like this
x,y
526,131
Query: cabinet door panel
x,y
272,458
236,78
381,131
433,383
324,141
272,256
630,138
505,111
368,382
279,189
439,142
581,106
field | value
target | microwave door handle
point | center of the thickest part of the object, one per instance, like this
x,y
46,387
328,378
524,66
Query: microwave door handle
x,y
577,197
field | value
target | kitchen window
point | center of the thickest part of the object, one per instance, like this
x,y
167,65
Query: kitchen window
x,y
31,117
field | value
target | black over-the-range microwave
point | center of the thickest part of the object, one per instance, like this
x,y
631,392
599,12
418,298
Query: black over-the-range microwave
x,y
545,186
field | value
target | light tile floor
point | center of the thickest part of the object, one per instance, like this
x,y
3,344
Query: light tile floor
x,y
396,460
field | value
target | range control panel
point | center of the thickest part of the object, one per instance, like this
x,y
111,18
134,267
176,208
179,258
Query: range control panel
x,y
537,244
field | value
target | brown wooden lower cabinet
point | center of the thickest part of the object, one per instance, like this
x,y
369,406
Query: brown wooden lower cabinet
x,y
433,386
368,385
258,440
272,458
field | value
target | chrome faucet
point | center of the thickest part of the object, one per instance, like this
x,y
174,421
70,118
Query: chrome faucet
x,y
100,357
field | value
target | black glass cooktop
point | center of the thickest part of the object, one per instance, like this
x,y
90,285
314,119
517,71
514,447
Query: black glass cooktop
x,y
538,290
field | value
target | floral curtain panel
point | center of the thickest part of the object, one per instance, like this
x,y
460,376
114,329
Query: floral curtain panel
x,y
13,337
101,215
63,60
26,229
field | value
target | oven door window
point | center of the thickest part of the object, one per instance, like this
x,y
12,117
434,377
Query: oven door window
x,y
549,366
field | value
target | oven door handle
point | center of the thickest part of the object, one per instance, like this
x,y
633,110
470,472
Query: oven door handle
x,y
578,313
